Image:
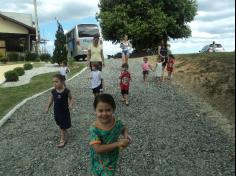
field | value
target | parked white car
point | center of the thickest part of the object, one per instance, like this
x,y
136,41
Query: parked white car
x,y
210,48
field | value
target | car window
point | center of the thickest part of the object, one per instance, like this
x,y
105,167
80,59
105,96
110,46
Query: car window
x,y
218,45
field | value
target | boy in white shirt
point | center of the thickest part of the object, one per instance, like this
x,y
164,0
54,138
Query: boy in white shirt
x,y
96,80
64,70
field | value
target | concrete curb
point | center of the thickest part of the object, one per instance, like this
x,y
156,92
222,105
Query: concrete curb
x,y
9,114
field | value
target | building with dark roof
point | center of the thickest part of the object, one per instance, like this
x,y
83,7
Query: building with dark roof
x,y
17,33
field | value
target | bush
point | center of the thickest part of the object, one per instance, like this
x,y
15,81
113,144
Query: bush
x,y
37,60
20,71
11,76
13,56
4,60
45,57
28,66
31,56
21,58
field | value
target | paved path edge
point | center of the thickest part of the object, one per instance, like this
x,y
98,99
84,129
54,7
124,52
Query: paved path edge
x,y
12,111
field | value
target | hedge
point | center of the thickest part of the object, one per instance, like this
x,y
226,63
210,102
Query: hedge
x,y
13,56
28,66
11,76
4,59
20,71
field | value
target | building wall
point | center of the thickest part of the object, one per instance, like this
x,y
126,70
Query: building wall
x,y
10,27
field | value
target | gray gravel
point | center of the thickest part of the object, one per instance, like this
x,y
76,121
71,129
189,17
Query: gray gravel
x,y
172,134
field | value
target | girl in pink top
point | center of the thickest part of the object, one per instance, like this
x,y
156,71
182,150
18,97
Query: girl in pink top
x,y
146,66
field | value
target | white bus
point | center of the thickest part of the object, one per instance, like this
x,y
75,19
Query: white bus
x,y
80,38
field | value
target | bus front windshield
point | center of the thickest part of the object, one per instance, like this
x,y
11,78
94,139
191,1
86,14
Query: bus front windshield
x,y
88,31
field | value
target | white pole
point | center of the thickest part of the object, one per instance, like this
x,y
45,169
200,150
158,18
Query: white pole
x,y
37,27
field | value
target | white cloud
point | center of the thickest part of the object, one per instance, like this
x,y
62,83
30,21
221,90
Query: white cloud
x,y
215,20
49,9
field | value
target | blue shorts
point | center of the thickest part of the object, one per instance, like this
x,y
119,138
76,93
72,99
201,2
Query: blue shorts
x,y
125,52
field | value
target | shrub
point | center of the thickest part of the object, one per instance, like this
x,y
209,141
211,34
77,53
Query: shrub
x,y
37,60
31,56
28,66
21,58
11,76
20,71
45,57
13,56
4,60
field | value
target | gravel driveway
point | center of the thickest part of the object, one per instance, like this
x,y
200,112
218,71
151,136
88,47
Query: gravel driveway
x,y
172,134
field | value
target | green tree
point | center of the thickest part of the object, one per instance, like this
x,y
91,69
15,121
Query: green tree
x,y
146,22
60,51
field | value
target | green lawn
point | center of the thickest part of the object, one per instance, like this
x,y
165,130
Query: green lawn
x,y
35,64
13,95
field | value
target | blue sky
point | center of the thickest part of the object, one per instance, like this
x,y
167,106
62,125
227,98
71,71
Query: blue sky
x,y
215,21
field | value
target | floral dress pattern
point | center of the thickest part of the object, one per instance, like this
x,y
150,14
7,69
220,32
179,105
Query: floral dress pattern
x,y
104,164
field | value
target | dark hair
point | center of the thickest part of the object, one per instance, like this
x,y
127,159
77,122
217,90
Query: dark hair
x,y
105,98
65,63
95,65
96,36
60,77
172,56
145,58
125,65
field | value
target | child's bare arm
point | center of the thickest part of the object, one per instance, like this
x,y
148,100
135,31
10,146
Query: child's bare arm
x,y
104,148
126,135
50,102
71,100
125,132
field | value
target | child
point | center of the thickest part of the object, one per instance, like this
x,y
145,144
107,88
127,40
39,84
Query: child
x,y
96,80
170,65
62,99
145,66
104,137
64,70
125,79
158,68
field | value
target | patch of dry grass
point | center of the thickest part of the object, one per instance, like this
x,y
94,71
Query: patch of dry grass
x,y
211,76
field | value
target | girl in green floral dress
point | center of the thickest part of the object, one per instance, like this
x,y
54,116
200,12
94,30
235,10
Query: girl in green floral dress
x,y
104,137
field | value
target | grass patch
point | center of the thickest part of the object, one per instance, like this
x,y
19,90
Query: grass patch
x,y
13,95
35,64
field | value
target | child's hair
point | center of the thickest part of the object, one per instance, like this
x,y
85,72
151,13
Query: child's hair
x,y
105,98
95,66
60,77
65,63
171,56
159,59
125,65
145,58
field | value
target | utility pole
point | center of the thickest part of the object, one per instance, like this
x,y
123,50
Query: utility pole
x,y
37,27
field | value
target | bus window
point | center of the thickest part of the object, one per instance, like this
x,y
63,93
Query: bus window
x,y
88,31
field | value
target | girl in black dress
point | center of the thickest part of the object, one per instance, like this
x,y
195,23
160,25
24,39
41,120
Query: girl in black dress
x,y
62,99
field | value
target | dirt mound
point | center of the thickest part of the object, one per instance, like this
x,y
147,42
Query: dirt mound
x,y
211,76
